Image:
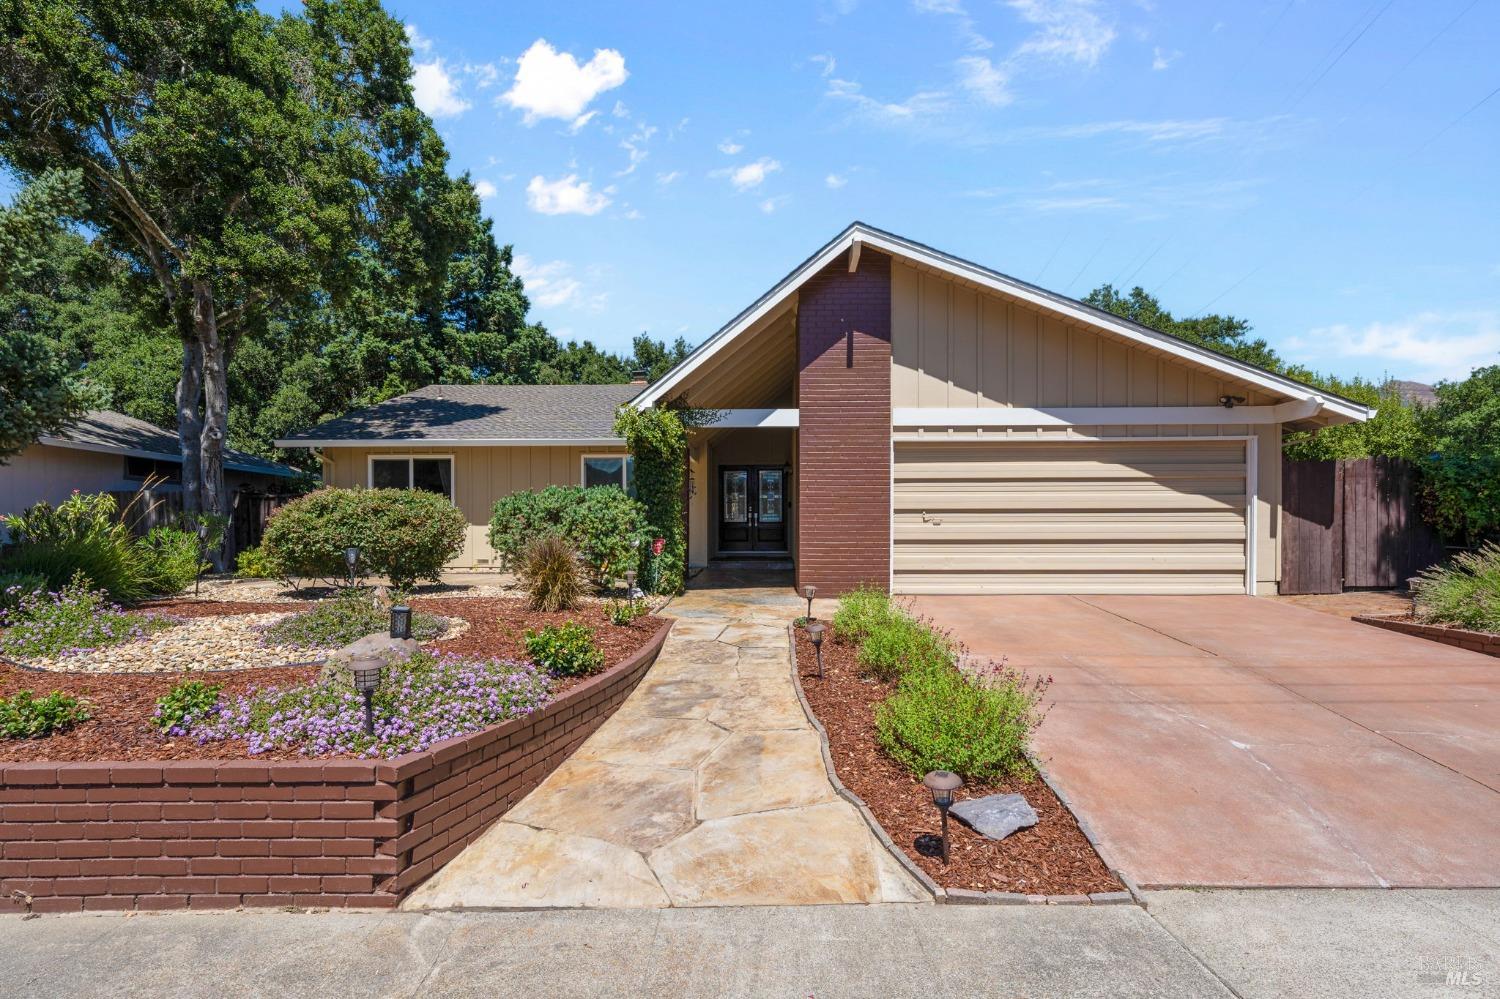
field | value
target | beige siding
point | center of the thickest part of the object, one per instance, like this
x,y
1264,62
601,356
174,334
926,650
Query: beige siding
x,y
1075,517
481,475
957,345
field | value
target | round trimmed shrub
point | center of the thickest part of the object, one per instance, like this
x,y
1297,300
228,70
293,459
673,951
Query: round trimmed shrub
x,y
402,534
605,526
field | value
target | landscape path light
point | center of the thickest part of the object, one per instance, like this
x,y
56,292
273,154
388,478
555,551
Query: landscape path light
x,y
631,593
202,554
400,621
351,559
942,784
367,672
815,632
810,591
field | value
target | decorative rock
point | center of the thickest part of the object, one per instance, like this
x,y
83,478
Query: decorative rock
x,y
996,815
378,646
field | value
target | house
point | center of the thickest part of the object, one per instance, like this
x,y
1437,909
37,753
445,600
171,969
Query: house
x,y
891,414
105,451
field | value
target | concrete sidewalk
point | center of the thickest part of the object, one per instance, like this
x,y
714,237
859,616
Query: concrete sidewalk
x,y
1363,943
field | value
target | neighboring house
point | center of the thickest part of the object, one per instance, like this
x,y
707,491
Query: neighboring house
x,y
891,414
105,451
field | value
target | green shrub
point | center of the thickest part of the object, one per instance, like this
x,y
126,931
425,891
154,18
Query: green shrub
x,y
81,535
623,612
657,438
1463,592
257,563
551,574
862,611
16,586
70,622
184,704
605,526
170,559
335,623
900,644
565,650
25,716
939,719
1461,497
402,534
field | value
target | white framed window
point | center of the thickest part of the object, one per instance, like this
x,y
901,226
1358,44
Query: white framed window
x,y
431,473
608,470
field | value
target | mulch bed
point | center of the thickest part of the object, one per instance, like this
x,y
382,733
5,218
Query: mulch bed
x,y
1053,857
122,703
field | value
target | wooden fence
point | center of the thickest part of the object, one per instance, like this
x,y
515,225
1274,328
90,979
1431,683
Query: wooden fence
x,y
1352,524
147,508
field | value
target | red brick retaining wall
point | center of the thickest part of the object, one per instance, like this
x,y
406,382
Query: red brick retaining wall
x,y
216,834
1474,641
844,436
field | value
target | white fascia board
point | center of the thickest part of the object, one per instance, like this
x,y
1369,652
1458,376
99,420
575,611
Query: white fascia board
x,y
750,418
1102,416
462,442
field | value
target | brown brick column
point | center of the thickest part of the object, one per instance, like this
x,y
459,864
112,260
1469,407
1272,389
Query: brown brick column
x,y
844,441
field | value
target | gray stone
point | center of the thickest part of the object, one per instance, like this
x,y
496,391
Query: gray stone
x,y
380,646
996,815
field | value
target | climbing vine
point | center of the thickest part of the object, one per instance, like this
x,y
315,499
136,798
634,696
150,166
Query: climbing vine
x,y
658,438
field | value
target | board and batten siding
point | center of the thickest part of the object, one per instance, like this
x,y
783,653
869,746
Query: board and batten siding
x,y
954,345
481,475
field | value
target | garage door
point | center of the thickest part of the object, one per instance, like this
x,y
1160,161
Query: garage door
x,y
1080,517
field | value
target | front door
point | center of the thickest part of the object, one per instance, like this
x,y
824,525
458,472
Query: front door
x,y
752,508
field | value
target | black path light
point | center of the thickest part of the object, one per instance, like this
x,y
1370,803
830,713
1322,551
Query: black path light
x,y
815,632
942,784
351,559
400,621
631,593
810,592
367,672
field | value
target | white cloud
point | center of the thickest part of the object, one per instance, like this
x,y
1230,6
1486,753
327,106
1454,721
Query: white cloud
x,y
565,196
549,285
834,181
771,204
955,9
730,148
668,177
485,74
1163,130
635,147
418,41
919,105
434,90
750,175
1071,30
825,61
986,81
1428,346
552,84
485,189
1161,58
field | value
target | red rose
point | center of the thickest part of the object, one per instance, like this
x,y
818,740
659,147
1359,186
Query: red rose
x,y
658,546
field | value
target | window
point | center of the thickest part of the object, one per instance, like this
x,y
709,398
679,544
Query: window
x,y
152,468
609,470
433,475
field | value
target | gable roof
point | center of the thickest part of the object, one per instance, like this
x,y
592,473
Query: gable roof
x,y
859,234
479,415
108,432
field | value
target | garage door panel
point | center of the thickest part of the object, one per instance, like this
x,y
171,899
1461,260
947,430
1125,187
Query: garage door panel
x,y
1132,516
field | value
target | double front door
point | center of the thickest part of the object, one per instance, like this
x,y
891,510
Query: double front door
x,y
752,508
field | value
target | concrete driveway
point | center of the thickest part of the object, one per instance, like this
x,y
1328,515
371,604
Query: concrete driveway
x,y
1234,741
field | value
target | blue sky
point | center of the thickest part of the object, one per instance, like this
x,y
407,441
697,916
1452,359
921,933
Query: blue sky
x,y
1307,165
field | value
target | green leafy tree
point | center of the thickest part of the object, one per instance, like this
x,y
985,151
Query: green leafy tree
x,y
241,161
37,394
1395,430
1224,334
1461,474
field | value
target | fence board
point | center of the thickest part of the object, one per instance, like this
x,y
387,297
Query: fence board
x,y
1312,527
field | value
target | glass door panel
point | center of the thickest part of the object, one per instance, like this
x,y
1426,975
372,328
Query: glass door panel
x,y
736,496
769,498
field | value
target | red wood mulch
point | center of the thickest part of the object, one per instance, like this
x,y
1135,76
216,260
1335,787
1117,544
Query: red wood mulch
x,y
1053,857
122,703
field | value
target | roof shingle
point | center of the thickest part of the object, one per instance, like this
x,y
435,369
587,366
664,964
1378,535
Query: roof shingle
x,y
106,430
443,413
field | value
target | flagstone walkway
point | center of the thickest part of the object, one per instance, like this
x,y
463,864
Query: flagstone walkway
x,y
706,788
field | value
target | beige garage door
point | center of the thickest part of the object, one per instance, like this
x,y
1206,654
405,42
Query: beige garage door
x,y
1084,517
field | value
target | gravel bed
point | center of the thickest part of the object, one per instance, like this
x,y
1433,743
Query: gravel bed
x,y
221,642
